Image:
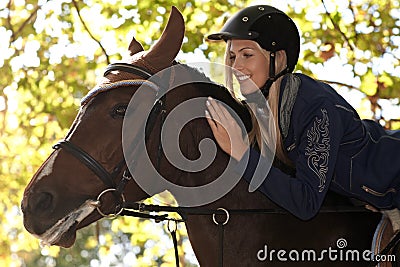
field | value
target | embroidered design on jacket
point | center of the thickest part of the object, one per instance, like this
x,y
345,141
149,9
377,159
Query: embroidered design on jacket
x,y
318,147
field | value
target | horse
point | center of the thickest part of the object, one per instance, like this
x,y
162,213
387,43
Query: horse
x,y
81,179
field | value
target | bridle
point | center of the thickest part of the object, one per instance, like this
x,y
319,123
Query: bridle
x,y
108,178
141,210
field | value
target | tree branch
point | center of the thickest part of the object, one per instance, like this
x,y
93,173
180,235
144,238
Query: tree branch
x,y
15,34
89,32
337,27
353,12
9,17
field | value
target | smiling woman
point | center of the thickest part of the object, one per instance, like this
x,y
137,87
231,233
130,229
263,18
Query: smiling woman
x,y
319,136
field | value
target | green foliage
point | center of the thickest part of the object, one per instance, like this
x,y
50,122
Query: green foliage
x,y
52,51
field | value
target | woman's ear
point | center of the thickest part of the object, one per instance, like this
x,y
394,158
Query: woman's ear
x,y
281,61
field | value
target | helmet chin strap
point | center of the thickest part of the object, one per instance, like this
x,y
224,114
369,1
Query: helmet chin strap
x,y
272,75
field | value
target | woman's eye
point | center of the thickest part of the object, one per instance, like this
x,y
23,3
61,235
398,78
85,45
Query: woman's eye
x,y
247,55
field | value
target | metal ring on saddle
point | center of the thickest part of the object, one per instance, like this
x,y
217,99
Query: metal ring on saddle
x,y
121,205
226,214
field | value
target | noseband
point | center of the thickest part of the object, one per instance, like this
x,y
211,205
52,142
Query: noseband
x,y
106,177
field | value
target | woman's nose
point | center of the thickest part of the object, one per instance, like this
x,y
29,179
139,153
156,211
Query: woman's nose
x,y
238,68
236,65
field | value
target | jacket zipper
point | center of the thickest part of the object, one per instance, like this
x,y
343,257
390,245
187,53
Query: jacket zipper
x,y
291,147
376,193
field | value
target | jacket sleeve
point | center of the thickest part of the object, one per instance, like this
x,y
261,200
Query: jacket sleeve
x,y
318,132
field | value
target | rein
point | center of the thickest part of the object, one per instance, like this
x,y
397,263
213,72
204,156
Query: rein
x,y
140,210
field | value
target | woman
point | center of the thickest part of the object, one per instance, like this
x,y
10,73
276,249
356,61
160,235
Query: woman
x,y
320,138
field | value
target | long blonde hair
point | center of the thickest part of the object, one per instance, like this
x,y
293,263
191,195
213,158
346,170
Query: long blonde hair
x,y
273,101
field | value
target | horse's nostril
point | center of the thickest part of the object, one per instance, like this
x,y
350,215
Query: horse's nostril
x,y
42,202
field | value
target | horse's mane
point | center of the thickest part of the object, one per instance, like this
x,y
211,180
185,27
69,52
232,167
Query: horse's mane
x,y
197,75
218,91
194,71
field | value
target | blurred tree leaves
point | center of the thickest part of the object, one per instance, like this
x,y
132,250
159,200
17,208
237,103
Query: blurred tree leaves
x,y
51,52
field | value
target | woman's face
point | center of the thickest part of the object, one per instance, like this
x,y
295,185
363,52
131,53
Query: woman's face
x,y
250,65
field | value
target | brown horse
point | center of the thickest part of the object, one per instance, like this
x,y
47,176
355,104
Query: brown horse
x,y
62,196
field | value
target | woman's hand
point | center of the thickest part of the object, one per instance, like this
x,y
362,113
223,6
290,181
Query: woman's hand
x,y
226,130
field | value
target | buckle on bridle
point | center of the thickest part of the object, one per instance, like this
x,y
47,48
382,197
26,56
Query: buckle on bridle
x,y
119,207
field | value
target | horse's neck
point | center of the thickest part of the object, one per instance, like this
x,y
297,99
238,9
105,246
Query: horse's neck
x,y
195,138
236,196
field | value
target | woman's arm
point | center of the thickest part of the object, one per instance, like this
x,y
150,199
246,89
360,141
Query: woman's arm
x,y
318,131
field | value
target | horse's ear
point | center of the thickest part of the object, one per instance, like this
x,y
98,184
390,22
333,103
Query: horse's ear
x,y
162,54
135,47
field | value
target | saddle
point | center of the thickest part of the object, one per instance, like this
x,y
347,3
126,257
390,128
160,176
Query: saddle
x,y
385,232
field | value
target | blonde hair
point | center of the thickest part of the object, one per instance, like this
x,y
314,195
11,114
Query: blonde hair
x,y
273,101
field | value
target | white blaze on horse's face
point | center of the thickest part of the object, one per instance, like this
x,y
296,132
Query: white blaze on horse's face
x,y
48,167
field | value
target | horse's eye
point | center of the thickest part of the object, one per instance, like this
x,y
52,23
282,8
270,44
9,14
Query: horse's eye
x,y
119,110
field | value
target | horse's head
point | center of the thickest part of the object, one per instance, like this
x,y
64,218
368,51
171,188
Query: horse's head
x,y
61,196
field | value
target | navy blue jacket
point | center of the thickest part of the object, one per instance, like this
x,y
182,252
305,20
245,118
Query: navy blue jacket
x,y
332,149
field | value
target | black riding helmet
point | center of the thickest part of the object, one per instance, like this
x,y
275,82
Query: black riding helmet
x,y
272,29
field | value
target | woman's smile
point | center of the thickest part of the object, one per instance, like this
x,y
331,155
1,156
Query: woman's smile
x,y
242,78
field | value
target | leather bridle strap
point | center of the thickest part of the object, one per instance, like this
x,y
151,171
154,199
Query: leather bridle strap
x,y
90,162
128,68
